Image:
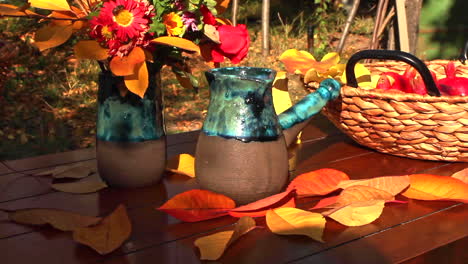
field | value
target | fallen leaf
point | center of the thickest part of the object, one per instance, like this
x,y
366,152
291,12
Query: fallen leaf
x,y
360,193
281,99
198,205
359,213
326,202
212,33
127,65
461,175
51,4
107,235
74,171
91,50
213,246
260,207
318,182
52,35
59,219
89,184
392,184
183,164
293,221
435,187
137,83
177,42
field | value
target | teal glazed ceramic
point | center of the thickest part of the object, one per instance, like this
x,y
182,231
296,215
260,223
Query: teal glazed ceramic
x,y
131,141
242,148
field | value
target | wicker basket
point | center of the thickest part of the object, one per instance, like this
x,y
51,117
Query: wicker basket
x,y
403,124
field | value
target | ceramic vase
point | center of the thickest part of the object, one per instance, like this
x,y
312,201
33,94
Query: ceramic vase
x,y
131,138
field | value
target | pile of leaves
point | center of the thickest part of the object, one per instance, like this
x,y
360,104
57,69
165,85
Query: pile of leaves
x,y
348,202
359,202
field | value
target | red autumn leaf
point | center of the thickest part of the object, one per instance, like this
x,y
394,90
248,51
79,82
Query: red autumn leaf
x,y
260,207
436,187
326,202
318,182
198,205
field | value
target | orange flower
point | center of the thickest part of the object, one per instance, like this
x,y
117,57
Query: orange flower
x,y
174,24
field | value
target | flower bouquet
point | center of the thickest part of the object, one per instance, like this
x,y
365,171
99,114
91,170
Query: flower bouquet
x,y
132,40
123,35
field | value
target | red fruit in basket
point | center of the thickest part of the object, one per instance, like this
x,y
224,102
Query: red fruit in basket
x,y
399,83
452,85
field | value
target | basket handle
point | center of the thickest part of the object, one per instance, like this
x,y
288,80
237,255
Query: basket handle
x,y
391,55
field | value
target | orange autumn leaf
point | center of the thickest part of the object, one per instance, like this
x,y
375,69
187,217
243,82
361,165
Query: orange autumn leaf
x,y
326,202
137,83
359,213
355,193
293,221
436,187
90,49
260,207
300,61
461,175
107,235
392,184
127,65
198,205
52,35
318,182
221,6
11,10
213,246
177,42
59,219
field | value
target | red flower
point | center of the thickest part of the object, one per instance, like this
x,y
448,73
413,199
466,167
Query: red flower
x,y
208,17
234,45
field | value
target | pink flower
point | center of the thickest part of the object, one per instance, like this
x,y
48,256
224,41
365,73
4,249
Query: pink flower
x,y
234,45
122,24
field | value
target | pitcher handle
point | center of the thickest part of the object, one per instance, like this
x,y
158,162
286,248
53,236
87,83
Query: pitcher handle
x,y
392,55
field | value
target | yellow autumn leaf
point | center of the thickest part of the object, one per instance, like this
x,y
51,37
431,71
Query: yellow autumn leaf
x,y
51,4
213,246
137,83
52,35
91,50
182,164
293,221
281,99
359,213
362,74
392,184
177,42
297,61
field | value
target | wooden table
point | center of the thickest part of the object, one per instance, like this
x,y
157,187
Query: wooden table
x,y
417,232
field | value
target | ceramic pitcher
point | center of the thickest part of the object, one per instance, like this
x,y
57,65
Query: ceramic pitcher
x,y
242,148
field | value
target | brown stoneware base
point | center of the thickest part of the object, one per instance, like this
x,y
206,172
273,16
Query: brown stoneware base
x,y
131,164
246,172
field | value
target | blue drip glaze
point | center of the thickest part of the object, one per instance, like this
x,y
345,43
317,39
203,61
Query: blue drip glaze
x,y
129,118
241,105
310,105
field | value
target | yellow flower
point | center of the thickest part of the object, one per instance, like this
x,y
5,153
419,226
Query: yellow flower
x,y
174,24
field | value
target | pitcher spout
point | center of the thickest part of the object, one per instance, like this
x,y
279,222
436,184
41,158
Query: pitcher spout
x,y
293,120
